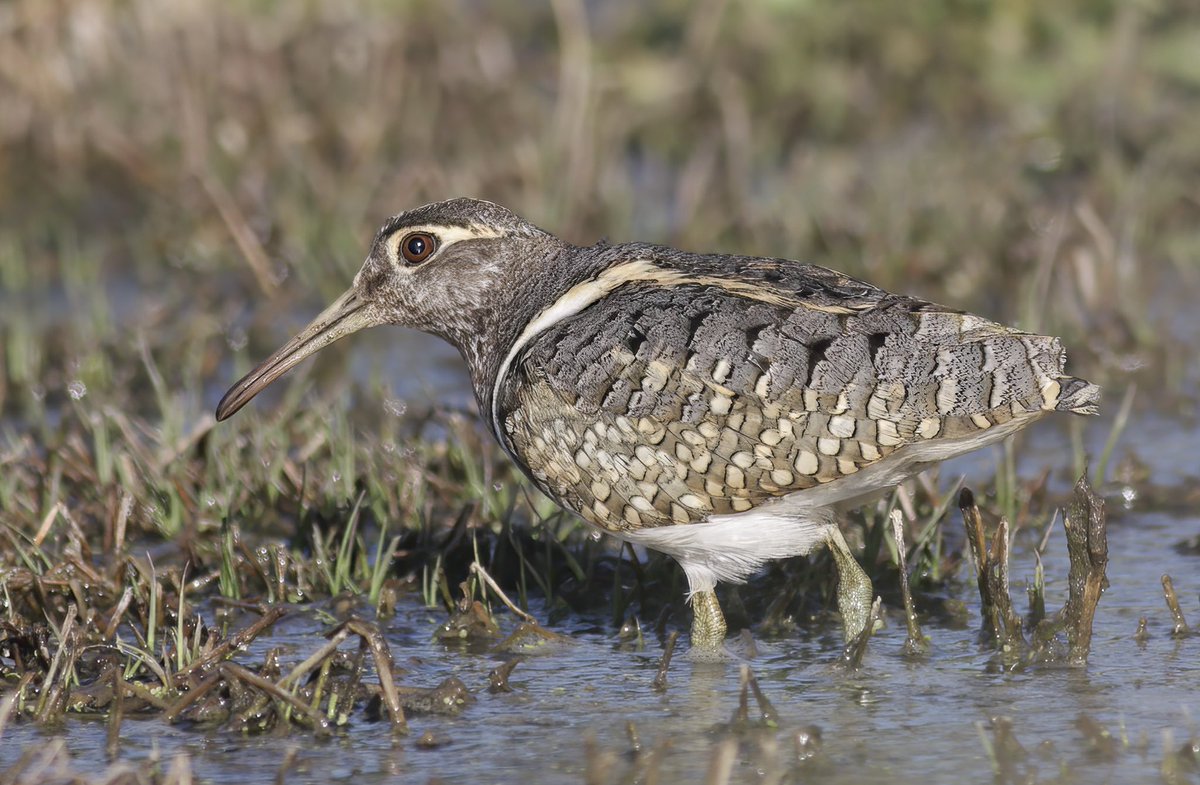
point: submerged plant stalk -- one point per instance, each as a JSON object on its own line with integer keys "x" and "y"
{"x": 1087, "y": 545}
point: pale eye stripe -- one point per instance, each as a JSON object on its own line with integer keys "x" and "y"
{"x": 446, "y": 236}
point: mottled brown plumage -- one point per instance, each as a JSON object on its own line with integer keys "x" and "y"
{"x": 664, "y": 406}
{"x": 715, "y": 407}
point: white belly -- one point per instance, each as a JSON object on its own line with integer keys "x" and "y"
{"x": 733, "y": 547}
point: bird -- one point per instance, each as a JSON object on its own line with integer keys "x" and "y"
{"x": 721, "y": 409}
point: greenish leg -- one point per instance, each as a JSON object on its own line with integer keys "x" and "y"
{"x": 708, "y": 623}
{"x": 854, "y": 590}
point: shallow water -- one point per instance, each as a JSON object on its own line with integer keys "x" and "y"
{"x": 895, "y": 720}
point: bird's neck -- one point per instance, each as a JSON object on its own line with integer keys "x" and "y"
{"x": 527, "y": 289}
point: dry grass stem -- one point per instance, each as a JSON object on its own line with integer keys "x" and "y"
{"x": 915, "y": 642}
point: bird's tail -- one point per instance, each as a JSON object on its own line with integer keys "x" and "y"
{"x": 1077, "y": 395}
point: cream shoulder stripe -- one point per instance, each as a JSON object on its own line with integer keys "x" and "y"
{"x": 584, "y": 294}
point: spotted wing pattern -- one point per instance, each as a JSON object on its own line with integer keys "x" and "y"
{"x": 666, "y": 404}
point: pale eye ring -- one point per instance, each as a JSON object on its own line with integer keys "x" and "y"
{"x": 417, "y": 247}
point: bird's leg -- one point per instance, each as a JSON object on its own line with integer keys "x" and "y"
{"x": 708, "y": 623}
{"x": 854, "y": 590}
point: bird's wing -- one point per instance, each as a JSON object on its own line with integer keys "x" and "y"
{"x": 684, "y": 392}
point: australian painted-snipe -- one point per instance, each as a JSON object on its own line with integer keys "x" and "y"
{"x": 717, "y": 408}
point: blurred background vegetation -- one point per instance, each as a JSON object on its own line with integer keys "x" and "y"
{"x": 183, "y": 182}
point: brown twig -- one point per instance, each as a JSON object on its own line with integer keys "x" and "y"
{"x": 231, "y": 670}
{"x": 915, "y": 642}
{"x": 112, "y": 746}
{"x": 660, "y": 678}
{"x": 1181, "y": 626}
{"x": 190, "y": 697}
{"x": 766, "y": 711}
{"x": 239, "y": 640}
{"x": 1087, "y": 546}
{"x": 1006, "y": 622}
{"x": 383, "y": 666}
{"x": 498, "y": 677}
{"x": 1001, "y": 625}
{"x": 973, "y": 523}
{"x": 140, "y": 692}
{"x": 317, "y": 657}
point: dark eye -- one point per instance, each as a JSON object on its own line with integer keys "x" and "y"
{"x": 417, "y": 246}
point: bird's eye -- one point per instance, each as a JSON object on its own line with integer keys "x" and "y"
{"x": 417, "y": 247}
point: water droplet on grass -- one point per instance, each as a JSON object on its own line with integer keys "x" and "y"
{"x": 76, "y": 389}
{"x": 395, "y": 406}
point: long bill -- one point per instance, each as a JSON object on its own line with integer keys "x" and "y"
{"x": 347, "y": 315}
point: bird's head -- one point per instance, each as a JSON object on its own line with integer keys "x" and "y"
{"x": 442, "y": 268}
